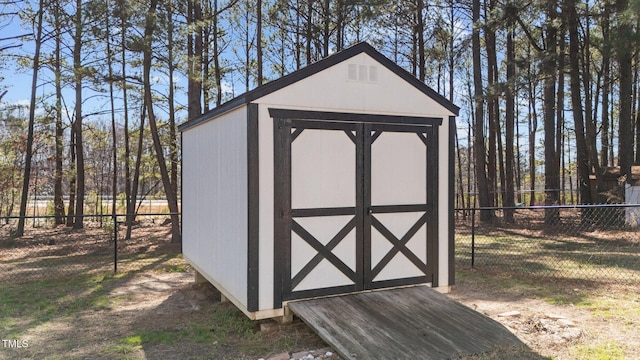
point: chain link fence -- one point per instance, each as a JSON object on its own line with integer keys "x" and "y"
{"x": 592, "y": 243}
{"x": 599, "y": 244}
{"x": 100, "y": 248}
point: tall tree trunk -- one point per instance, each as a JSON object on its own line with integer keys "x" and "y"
{"x": 452, "y": 49}
{"x": 72, "y": 180}
{"x": 114, "y": 138}
{"x": 340, "y": 24}
{"x": 492, "y": 108}
{"x": 206, "y": 39}
{"x": 551, "y": 165}
{"x": 259, "y": 40}
{"x": 32, "y": 116}
{"x": 509, "y": 198}
{"x": 194, "y": 58}
{"x": 420, "y": 37}
{"x": 560, "y": 112}
{"x": 172, "y": 201}
{"x": 478, "y": 140}
{"x": 131, "y": 217}
{"x": 326, "y": 29}
{"x": 518, "y": 159}
{"x": 247, "y": 54}
{"x": 78, "y": 222}
{"x": 582, "y": 156}
{"x": 625, "y": 58}
{"x": 58, "y": 201}
{"x": 130, "y": 206}
{"x": 217, "y": 71}
{"x": 298, "y": 45}
{"x": 606, "y": 84}
{"x": 589, "y": 119}
{"x": 309, "y": 30}
{"x": 173, "y": 141}
{"x": 533, "y": 129}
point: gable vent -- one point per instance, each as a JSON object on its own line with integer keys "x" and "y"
{"x": 364, "y": 73}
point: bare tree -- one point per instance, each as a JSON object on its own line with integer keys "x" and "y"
{"x": 509, "y": 198}
{"x": 625, "y": 59}
{"x": 32, "y": 114}
{"x": 172, "y": 200}
{"x": 78, "y": 222}
{"x": 478, "y": 129}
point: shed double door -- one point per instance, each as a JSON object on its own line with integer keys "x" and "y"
{"x": 354, "y": 206}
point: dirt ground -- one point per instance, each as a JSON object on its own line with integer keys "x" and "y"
{"x": 605, "y": 325}
{"x": 153, "y": 301}
{"x": 156, "y": 312}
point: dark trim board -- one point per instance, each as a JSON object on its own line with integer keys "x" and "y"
{"x": 253, "y": 205}
{"x": 399, "y": 282}
{"x": 323, "y": 212}
{"x": 316, "y": 68}
{"x": 181, "y": 200}
{"x": 452, "y": 240}
{"x": 432, "y": 192}
{"x": 353, "y": 117}
{"x": 306, "y": 294}
{"x": 288, "y": 124}
{"x": 282, "y": 217}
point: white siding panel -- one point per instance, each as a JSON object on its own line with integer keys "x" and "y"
{"x": 215, "y": 200}
{"x": 333, "y": 90}
{"x": 266, "y": 251}
{"x": 323, "y": 170}
{"x": 323, "y": 276}
{"x": 398, "y": 170}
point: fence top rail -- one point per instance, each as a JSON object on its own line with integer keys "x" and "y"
{"x": 85, "y": 216}
{"x": 542, "y": 207}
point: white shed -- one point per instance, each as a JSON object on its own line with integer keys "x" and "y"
{"x": 336, "y": 178}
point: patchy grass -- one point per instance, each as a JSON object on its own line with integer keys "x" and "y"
{"x": 27, "y": 305}
{"x": 568, "y": 250}
{"x": 553, "y": 292}
{"x": 609, "y": 351}
{"x": 613, "y": 312}
{"x": 150, "y": 309}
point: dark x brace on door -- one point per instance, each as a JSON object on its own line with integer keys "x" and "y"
{"x": 356, "y": 207}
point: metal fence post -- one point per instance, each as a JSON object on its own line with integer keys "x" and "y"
{"x": 473, "y": 237}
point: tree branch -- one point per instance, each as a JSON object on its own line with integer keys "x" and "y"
{"x": 15, "y": 37}
{"x": 9, "y": 47}
{"x": 529, "y": 35}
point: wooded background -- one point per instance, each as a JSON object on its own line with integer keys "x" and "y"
{"x": 548, "y": 89}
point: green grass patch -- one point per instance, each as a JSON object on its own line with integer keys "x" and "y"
{"x": 174, "y": 268}
{"x": 553, "y": 292}
{"x": 609, "y": 351}
{"x": 224, "y": 325}
{"x": 620, "y": 307}
{"x": 124, "y": 350}
{"x": 29, "y": 304}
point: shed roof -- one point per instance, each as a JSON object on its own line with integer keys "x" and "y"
{"x": 314, "y": 68}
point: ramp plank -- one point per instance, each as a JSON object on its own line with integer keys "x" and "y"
{"x": 407, "y": 323}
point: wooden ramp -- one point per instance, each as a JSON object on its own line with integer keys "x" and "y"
{"x": 406, "y": 323}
